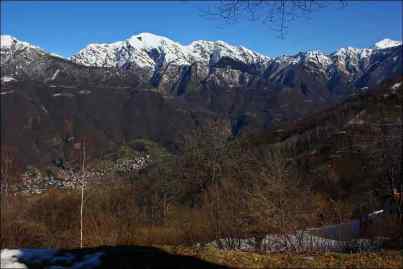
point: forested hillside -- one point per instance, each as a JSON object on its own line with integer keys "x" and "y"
{"x": 330, "y": 167}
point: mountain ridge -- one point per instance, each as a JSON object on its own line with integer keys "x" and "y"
{"x": 156, "y": 40}
{"x": 162, "y": 101}
{"x": 168, "y": 65}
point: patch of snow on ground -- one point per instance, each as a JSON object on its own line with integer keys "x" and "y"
{"x": 300, "y": 241}
{"x": 396, "y": 85}
{"x": 7, "y": 79}
{"x": 9, "y": 258}
{"x": 337, "y": 237}
{"x": 84, "y": 92}
{"x": 63, "y": 94}
{"x": 19, "y": 258}
{"x": 55, "y": 75}
{"x": 47, "y": 258}
{"x": 44, "y": 109}
{"x": 6, "y": 92}
{"x": 375, "y": 213}
{"x": 278, "y": 243}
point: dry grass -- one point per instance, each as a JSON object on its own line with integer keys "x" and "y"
{"x": 111, "y": 217}
{"x": 238, "y": 259}
{"x": 52, "y": 219}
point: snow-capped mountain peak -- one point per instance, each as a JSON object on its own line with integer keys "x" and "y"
{"x": 149, "y": 41}
{"x": 150, "y": 50}
{"x": 163, "y": 61}
{"x": 11, "y": 46}
{"x": 7, "y": 41}
{"x": 387, "y": 43}
{"x": 144, "y": 49}
{"x": 350, "y": 53}
{"x": 10, "y": 42}
{"x": 212, "y": 51}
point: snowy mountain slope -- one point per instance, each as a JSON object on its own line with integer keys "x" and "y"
{"x": 11, "y": 47}
{"x": 149, "y": 50}
{"x": 158, "y": 54}
{"x": 23, "y": 62}
{"x": 164, "y": 62}
{"x": 8, "y": 42}
{"x": 387, "y": 43}
{"x": 349, "y": 60}
{"x": 173, "y": 69}
{"x": 340, "y": 72}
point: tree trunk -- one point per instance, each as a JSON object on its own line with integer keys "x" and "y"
{"x": 82, "y": 196}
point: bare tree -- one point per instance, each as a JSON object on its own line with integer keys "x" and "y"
{"x": 276, "y": 14}
{"x": 7, "y": 164}
{"x": 202, "y": 163}
{"x": 84, "y": 156}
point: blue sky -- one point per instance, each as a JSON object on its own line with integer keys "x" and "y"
{"x": 66, "y": 27}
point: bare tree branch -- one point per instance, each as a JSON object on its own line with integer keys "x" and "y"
{"x": 276, "y": 14}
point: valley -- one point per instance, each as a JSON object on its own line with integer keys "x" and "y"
{"x": 148, "y": 152}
